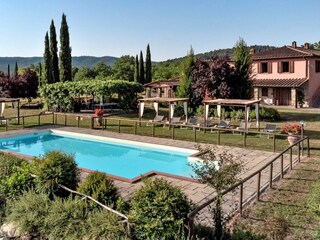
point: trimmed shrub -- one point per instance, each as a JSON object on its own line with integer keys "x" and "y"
{"x": 158, "y": 211}
{"x": 17, "y": 181}
{"x": 53, "y": 169}
{"x": 66, "y": 219}
{"x": 200, "y": 111}
{"x": 100, "y": 187}
{"x": 105, "y": 225}
{"x": 269, "y": 113}
{"x": 29, "y": 211}
{"x": 8, "y": 164}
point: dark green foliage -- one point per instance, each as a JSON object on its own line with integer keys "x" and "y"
{"x": 16, "y": 70}
{"x": 105, "y": 225}
{"x": 141, "y": 69}
{"x": 18, "y": 181}
{"x": 243, "y": 84}
{"x": 84, "y": 73}
{"x": 101, "y": 188}
{"x": 269, "y": 113}
{"x": 136, "y": 69}
{"x": 66, "y": 219}
{"x": 158, "y": 211}
{"x": 47, "y": 61}
{"x": 62, "y": 94}
{"x": 102, "y": 70}
{"x": 53, "y": 169}
{"x": 148, "y": 66}
{"x": 123, "y": 68}
{"x": 14, "y": 175}
{"x": 29, "y": 211}
{"x": 54, "y": 53}
{"x": 65, "y": 52}
{"x": 243, "y": 234}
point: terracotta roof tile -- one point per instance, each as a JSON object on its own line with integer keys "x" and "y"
{"x": 286, "y": 52}
{"x": 290, "y": 82}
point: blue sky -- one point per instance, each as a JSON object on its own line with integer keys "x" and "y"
{"x": 119, "y": 27}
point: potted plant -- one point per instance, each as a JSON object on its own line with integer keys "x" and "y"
{"x": 293, "y": 130}
{"x": 99, "y": 113}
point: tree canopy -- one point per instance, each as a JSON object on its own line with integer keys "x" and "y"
{"x": 123, "y": 68}
{"x": 65, "y": 52}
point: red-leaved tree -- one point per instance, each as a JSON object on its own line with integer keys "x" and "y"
{"x": 214, "y": 77}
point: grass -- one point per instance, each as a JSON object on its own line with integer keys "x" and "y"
{"x": 287, "y": 203}
{"x": 254, "y": 141}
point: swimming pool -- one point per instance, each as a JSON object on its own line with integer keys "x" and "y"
{"x": 126, "y": 159}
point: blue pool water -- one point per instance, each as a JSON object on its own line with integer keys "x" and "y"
{"x": 122, "y": 160}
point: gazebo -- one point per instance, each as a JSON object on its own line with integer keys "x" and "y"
{"x": 171, "y": 101}
{"x": 245, "y": 103}
{"x": 15, "y": 104}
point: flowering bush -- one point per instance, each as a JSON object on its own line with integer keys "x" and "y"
{"x": 294, "y": 128}
{"x": 98, "y": 112}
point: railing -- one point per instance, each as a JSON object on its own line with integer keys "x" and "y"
{"x": 259, "y": 187}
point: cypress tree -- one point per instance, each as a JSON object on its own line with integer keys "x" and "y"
{"x": 54, "y": 53}
{"x": 8, "y": 72}
{"x": 148, "y": 66}
{"x": 136, "y": 70}
{"x": 40, "y": 74}
{"x": 47, "y": 60}
{"x": 141, "y": 69}
{"x": 16, "y": 70}
{"x": 65, "y": 52}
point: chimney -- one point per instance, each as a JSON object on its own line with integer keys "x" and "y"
{"x": 306, "y": 45}
{"x": 252, "y": 51}
{"x": 294, "y": 44}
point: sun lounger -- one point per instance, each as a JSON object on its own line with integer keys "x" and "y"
{"x": 191, "y": 122}
{"x": 174, "y": 120}
{"x": 269, "y": 128}
{"x": 242, "y": 127}
{"x": 157, "y": 119}
{"x": 222, "y": 124}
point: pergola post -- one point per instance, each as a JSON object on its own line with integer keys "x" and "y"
{"x": 245, "y": 117}
{"x": 170, "y": 112}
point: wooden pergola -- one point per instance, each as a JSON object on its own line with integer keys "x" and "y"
{"x": 245, "y": 103}
{"x": 157, "y": 100}
{"x": 16, "y": 101}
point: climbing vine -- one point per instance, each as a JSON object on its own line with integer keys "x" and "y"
{"x": 62, "y": 94}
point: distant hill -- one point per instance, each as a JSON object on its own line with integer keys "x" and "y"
{"x": 82, "y": 61}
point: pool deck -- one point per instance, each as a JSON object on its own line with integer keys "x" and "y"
{"x": 197, "y": 192}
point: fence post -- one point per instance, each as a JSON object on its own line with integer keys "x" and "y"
{"x": 56, "y": 117}
{"x": 308, "y": 145}
{"x": 102, "y": 123}
{"x": 39, "y": 120}
{"x": 22, "y": 121}
{"x": 172, "y": 132}
{"x": 153, "y": 129}
{"x": 65, "y": 119}
{"x": 241, "y": 198}
{"x": 91, "y": 123}
{"x": 52, "y": 118}
{"x": 105, "y": 123}
{"x": 191, "y": 228}
{"x": 281, "y": 165}
{"x": 6, "y": 124}
{"x": 258, "y": 186}
{"x": 135, "y": 128}
{"x": 245, "y": 139}
{"x": 78, "y": 121}
{"x": 119, "y": 126}
{"x": 290, "y": 155}
{"x": 298, "y": 152}
{"x": 271, "y": 175}
{"x": 274, "y": 143}
{"x": 194, "y": 134}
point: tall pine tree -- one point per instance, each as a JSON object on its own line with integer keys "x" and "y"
{"x": 8, "y": 72}
{"x": 148, "y": 66}
{"x": 54, "y": 53}
{"x": 47, "y": 61}
{"x": 65, "y": 52}
{"x": 136, "y": 70}
{"x": 242, "y": 60}
{"x": 16, "y": 70}
{"x": 141, "y": 69}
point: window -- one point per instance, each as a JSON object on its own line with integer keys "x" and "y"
{"x": 317, "y": 66}
{"x": 285, "y": 67}
{"x": 264, "y": 67}
{"x": 264, "y": 92}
